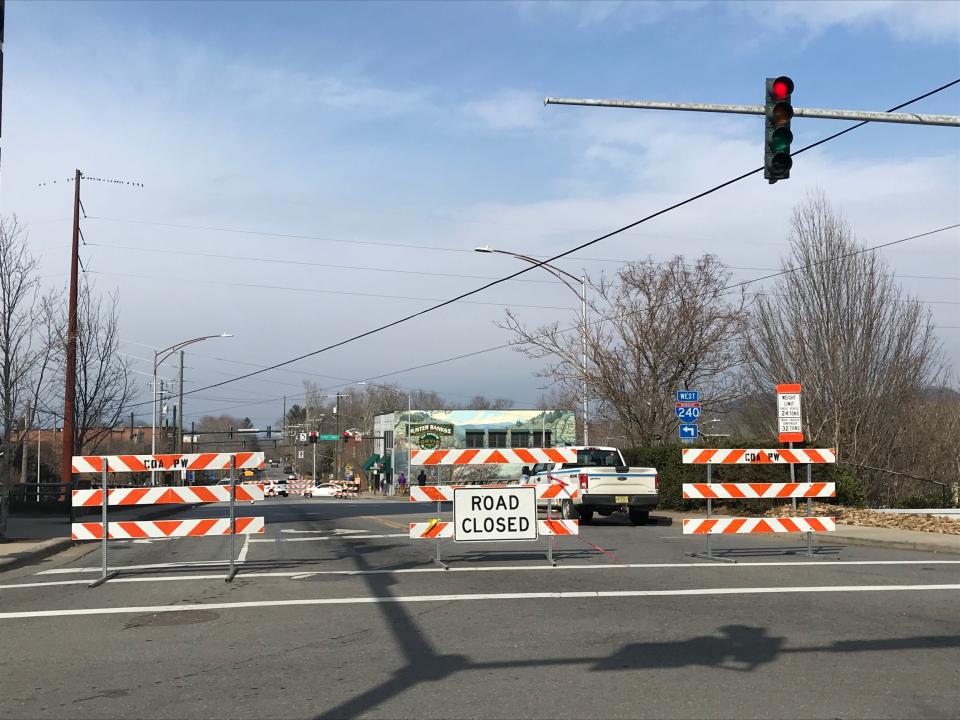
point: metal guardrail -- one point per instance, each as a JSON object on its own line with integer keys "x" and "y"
{"x": 945, "y": 488}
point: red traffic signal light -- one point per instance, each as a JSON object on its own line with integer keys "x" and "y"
{"x": 781, "y": 88}
{"x": 778, "y": 113}
{"x": 346, "y": 436}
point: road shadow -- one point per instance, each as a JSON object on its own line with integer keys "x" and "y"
{"x": 735, "y": 648}
{"x": 821, "y": 551}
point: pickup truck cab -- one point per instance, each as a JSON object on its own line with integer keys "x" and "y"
{"x": 604, "y": 485}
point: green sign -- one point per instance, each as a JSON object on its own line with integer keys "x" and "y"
{"x": 431, "y": 428}
{"x": 328, "y": 437}
{"x": 428, "y": 441}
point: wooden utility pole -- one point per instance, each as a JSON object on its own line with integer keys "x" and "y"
{"x": 70, "y": 376}
{"x": 179, "y": 441}
{"x": 27, "y": 422}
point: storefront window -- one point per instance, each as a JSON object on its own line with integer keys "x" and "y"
{"x": 474, "y": 439}
{"x": 519, "y": 439}
{"x": 497, "y": 439}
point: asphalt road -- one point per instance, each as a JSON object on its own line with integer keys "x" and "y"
{"x": 336, "y": 613}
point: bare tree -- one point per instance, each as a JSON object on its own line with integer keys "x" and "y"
{"x": 104, "y": 388}
{"x": 839, "y": 324}
{"x": 21, "y": 350}
{"x": 663, "y": 327}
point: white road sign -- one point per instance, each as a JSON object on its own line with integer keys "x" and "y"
{"x": 789, "y": 417}
{"x": 494, "y": 514}
{"x": 299, "y": 454}
{"x": 303, "y": 437}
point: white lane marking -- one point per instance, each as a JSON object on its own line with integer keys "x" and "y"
{"x": 242, "y": 557}
{"x": 574, "y": 595}
{"x": 483, "y": 568}
{"x": 336, "y": 531}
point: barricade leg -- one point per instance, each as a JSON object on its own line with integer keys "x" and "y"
{"x": 553, "y": 563}
{"x": 436, "y": 558}
{"x": 810, "y": 514}
{"x": 105, "y": 575}
{"x": 233, "y": 519}
{"x": 709, "y": 554}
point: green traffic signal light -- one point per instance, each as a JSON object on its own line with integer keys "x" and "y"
{"x": 780, "y": 140}
{"x": 777, "y": 134}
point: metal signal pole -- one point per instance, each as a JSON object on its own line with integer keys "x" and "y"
{"x": 70, "y": 375}
{"x": 823, "y": 113}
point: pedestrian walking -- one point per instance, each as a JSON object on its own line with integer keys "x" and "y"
{"x": 422, "y": 478}
{"x": 401, "y": 484}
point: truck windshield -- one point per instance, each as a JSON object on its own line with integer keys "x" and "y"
{"x": 598, "y": 458}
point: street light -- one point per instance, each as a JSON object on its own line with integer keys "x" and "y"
{"x": 158, "y": 357}
{"x": 562, "y": 276}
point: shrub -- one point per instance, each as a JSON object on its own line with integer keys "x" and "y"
{"x": 849, "y": 488}
{"x": 673, "y": 473}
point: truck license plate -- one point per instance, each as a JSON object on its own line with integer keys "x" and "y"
{"x": 621, "y": 499}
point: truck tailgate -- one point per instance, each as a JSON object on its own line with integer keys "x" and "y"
{"x": 638, "y": 481}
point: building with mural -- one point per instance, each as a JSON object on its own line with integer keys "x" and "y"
{"x": 394, "y": 433}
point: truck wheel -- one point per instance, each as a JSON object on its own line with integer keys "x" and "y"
{"x": 568, "y": 510}
{"x": 586, "y": 515}
{"x": 639, "y": 517}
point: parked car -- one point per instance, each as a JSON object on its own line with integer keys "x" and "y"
{"x": 324, "y": 490}
{"x": 288, "y": 469}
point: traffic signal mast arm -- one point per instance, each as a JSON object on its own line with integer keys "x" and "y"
{"x": 824, "y": 113}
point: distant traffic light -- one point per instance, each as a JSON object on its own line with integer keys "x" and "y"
{"x": 313, "y": 436}
{"x": 777, "y": 136}
{"x": 346, "y": 436}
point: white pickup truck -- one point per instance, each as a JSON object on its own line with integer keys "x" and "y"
{"x": 604, "y": 485}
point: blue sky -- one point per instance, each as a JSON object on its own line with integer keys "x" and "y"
{"x": 423, "y": 124}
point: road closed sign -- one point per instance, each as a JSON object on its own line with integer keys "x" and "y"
{"x": 494, "y": 514}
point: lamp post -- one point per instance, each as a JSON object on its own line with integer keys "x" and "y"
{"x": 158, "y": 357}
{"x": 562, "y": 276}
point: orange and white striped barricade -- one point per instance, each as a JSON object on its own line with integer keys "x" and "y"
{"x": 493, "y": 456}
{"x": 166, "y": 495}
{"x": 437, "y": 528}
{"x": 711, "y": 491}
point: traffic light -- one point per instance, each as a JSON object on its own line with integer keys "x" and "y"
{"x": 346, "y": 436}
{"x": 777, "y": 136}
{"x": 313, "y": 436}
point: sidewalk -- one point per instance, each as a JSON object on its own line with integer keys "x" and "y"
{"x": 869, "y": 536}
{"x": 34, "y": 537}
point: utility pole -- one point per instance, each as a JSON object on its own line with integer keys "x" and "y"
{"x": 285, "y": 441}
{"x": 27, "y": 422}
{"x": 336, "y": 472}
{"x": 179, "y": 440}
{"x": 70, "y": 375}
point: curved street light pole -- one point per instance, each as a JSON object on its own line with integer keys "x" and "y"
{"x": 562, "y": 276}
{"x": 158, "y": 357}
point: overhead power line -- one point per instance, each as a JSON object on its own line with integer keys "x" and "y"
{"x": 316, "y": 291}
{"x": 426, "y": 273}
{"x": 528, "y": 268}
{"x": 726, "y": 290}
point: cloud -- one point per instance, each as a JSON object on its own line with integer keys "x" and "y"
{"x": 508, "y": 109}
{"x": 621, "y": 14}
{"x": 938, "y": 21}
